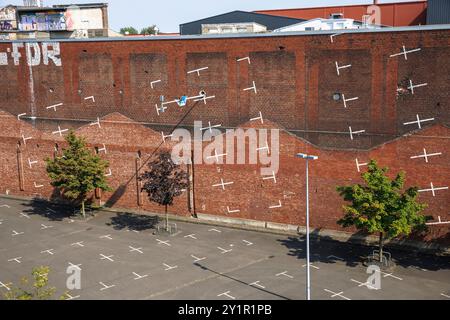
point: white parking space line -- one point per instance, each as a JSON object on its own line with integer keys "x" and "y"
{"x": 17, "y": 259}
{"x": 445, "y": 295}
{"x": 385, "y": 274}
{"x": 103, "y": 257}
{"x": 197, "y": 258}
{"x": 284, "y": 273}
{"x": 15, "y": 233}
{"x": 192, "y": 235}
{"x": 135, "y": 249}
{"x": 227, "y": 295}
{"x": 106, "y": 286}
{"x": 248, "y": 242}
{"x": 79, "y": 243}
{"x": 256, "y": 284}
{"x": 169, "y": 267}
{"x": 1, "y": 221}
{"x": 366, "y": 284}
{"x": 48, "y": 251}
{"x": 138, "y": 276}
{"x": 4, "y": 206}
{"x": 75, "y": 265}
{"x": 224, "y": 250}
{"x": 335, "y": 258}
{"x": 2, "y": 285}
{"x": 24, "y": 215}
{"x": 338, "y": 294}
{"x": 106, "y": 236}
{"x": 163, "y": 242}
{"x": 215, "y": 230}
{"x": 312, "y": 266}
{"x": 70, "y": 297}
{"x": 43, "y": 226}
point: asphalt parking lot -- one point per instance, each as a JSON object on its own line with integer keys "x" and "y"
{"x": 121, "y": 257}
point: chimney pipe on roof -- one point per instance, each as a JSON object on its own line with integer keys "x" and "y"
{"x": 375, "y": 2}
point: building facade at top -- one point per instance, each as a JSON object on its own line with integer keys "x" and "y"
{"x": 34, "y": 21}
{"x": 368, "y": 16}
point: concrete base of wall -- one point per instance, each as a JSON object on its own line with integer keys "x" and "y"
{"x": 284, "y": 229}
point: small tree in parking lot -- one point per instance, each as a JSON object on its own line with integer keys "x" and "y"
{"x": 164, "y": 181}
{"x": 78, "y": 171}
{"x": 380, "y": 206}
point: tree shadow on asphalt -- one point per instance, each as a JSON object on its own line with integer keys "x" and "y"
{"x": 52, "y": 211}
{"x": 324, "y": 249}
{"x": 133, "y": 222}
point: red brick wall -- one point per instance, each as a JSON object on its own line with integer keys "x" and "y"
{"x": 249, "y": 193}
{"x": 295, "y": 79}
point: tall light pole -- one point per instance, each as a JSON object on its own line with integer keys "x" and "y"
{"x": 308, "y": 277}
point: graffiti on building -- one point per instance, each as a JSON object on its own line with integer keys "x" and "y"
{"x": 43, "y": 22}
{"x": 7, "y": 13}
{"x": 34, "y": 54}
{"x": 6, "y": 25}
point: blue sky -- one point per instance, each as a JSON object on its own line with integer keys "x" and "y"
{"x": 168, "y": 14}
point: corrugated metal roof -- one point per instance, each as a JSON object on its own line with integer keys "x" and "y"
{"x": 438, "y": 12}
{"x": 248, "y": 35}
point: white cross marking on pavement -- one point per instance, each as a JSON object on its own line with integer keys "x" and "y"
{"x": 169, "y": 267}
{"x": 49, "y": 251}
{"x": 163, "y": 242}
{"x": 311, "y": 265}
{"x": 339, "y": 294}
{"x": 71, "y": 297}
{"x": 75, "y": 265}
{"x": 135, "y": 249}
{"x": 106, "y": 286}
{"x": 226, "y": 294}
{"x": 197, "y": 258}
{"x": 17, "y": 259}
{"x": 24, "y": 215}
{"x": 15, "y": 233}
{"x": 256, "y": 284}
{"x": 80, "y": 244}
{"x": 2, "y": 285}
{"x": 248, "y": 242}
{"x": 224, "y": 250}
{"x": 360, "y": 284}
{"x": 139, "y": 276}
{"x": 284, "y": 273}
{"x": 106, "y": 236}
{"x": 106, "y": 257}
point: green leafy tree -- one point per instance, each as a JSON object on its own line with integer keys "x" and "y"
{"x": 78, "y": 172}
{"x": 39, "y": 290}
{"x": 381, "y": 207}
{"x": 153, "y": 29}
{"x": 128, "y": 30}
{"x": 164, "y": 181}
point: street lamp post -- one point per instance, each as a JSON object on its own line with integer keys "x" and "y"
{"x": 308, "y": 278}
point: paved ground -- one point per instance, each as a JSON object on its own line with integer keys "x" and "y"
{"x": 121, "y": 258}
